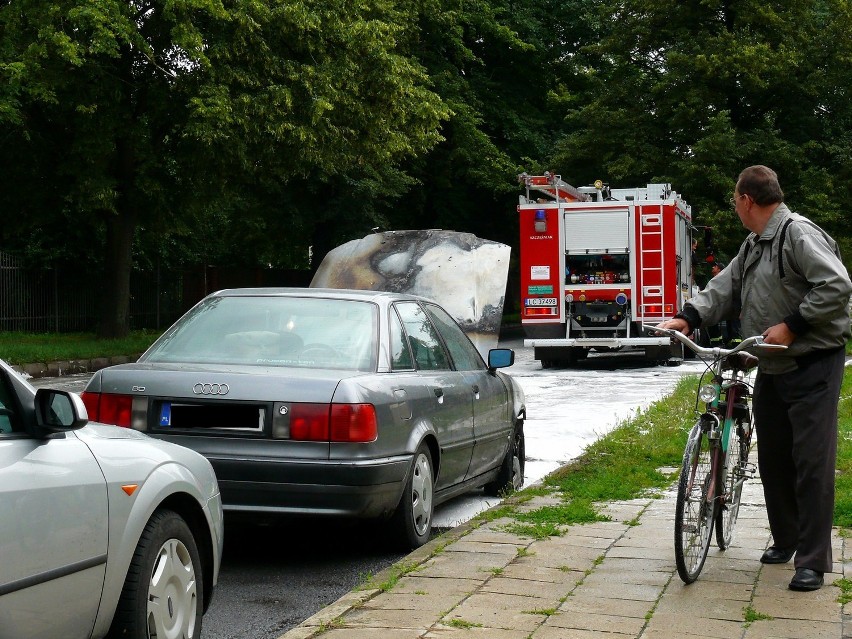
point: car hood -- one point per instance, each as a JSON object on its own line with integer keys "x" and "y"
{"x": 235, "y": 383}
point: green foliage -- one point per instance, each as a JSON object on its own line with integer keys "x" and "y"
{"x": 392, "y": 574}
{"x": 547, "y": 612}
{"x": 536, "y": 530}
{"x": 845, "y": 586}
{"x": 248, "y": 132}
{"x": 461, "y": 623}
{"x": 843, "y": 481}
{"x": 189, "y": 120}
{"x": 751, "y": 615}
{"x": 692, "y": 92}
{"x": 572, "y": 512}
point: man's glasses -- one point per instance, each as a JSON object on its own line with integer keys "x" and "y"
{"x": 733, "y": 200}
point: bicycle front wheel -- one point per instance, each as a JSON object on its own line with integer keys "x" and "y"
{"x": 736, "y": 464}
{"x": 695, "y": 512}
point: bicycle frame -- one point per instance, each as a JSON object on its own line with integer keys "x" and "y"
{"x": 717, "y": 422}
{"x": 730, "y": 397}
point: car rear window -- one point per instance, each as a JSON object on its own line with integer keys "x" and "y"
{"x": 304, "y": 332}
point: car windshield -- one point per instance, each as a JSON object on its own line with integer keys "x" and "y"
{"x": 305, "y": 332}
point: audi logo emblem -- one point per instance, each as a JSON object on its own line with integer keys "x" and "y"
{"x": 210, "y": 389}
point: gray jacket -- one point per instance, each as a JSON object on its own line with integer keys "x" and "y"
{"x": 812, "y": 297}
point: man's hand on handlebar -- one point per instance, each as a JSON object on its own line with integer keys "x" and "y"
{"x": 779, "y": 334}
{"x": 676, "y": 324}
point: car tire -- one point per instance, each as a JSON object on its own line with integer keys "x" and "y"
{"x": 412, "y": 521}
{"x": 163, "y": 590}
{"x": 510, "y": 477}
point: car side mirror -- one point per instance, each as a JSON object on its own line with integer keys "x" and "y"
{"x": 58, "y": 411}
{"x": 500, "y": 358}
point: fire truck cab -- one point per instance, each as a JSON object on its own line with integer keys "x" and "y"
{"x": 597, "y": 263}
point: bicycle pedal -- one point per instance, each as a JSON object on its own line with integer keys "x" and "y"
{"x": 748, "y": 471}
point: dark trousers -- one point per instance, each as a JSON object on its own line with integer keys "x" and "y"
{"x": 796, "y": 419}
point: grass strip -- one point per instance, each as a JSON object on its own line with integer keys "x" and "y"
{"x": 843, "y": 481}
{"x": 27, "y": 348}
{"x": 622, "y": 465}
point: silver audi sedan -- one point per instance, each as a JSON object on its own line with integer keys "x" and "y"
{"x": 326, "y": 402}
{"x": 103, "y": 531}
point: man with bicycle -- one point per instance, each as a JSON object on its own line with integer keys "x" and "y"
{"x": 788, "y": 284}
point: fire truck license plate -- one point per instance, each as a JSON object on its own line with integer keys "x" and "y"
{"x": 541, "y": 301}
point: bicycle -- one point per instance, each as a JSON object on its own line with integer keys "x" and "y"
{"x": 715, "y": 460}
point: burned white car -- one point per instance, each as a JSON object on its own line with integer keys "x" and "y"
{"x": 326, "y": 402}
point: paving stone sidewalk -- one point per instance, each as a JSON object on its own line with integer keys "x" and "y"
{"x": 615, "y": 580}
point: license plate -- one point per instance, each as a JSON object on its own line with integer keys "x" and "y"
{"x": 540, "y": 301}
{"x": 598, "y": 319}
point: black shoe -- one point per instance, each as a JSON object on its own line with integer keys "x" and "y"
{"x": 776, "y": 555}
{"x": 806, "y": 579}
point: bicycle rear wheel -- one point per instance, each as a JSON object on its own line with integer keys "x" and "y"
{"x": 736, "y": 464}
{"x": 694, "y": 513}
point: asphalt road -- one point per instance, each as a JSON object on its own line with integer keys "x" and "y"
{"x": 275, "y": 577}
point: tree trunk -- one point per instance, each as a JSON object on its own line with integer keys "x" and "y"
{"x": 120, "y": 228}
{"x": 321, "y": 244}
{"x": 121, "y": 223}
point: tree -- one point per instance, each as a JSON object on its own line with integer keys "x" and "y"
{"x": 496, "y": 64}
{"x": 171, "y": 114}
{"x": 692, "y": 92}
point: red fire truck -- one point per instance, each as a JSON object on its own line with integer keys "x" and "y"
{"x": 597, "y": 263}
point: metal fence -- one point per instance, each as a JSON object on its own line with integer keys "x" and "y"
{"x": 67, "y": 299}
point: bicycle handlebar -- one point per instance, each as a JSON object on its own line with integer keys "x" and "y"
{"x": 716, "y": 352}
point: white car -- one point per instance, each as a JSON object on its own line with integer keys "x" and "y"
{"x": 104, "y": 531}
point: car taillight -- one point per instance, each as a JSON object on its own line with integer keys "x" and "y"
{"x": 108, "y": 408}
{"x": 333, "y": 422}
{"x": 309, "y": 422}
{"x": 92, "y": 402}
{"x": 353, "y": 423}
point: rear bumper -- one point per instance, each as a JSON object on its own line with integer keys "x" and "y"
{"x": 363, "y": 488}
{"x": 602, "y": 342}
